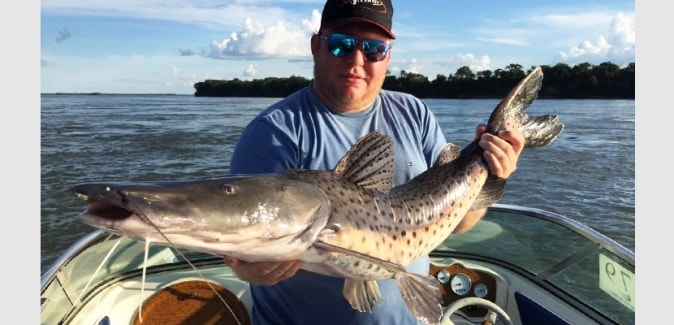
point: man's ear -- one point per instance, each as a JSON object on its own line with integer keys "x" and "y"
{"x": 315, "y": 44}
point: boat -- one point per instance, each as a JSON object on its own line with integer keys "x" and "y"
{"x": 518, "y": 265}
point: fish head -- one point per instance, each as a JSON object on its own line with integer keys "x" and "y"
{"x": 237, "y": 215}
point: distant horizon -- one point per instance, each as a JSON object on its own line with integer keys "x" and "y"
{"x": 94, "y": 93}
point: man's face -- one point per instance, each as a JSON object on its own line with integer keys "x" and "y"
{"x": 349, "y": 83}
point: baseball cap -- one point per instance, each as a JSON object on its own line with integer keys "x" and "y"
{"x": 340, "y": 12}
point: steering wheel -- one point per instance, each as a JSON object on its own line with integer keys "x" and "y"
{"x": 494, "y": 310}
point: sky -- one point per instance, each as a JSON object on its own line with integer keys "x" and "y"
{"x": 150, "y": 46}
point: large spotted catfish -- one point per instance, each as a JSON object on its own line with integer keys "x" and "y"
{"x": 349, "y": 222}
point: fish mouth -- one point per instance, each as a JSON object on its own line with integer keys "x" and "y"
{"x": 117, "y": 220}
{"x": 109, "y": 211}
{"x": 104, "y": 203}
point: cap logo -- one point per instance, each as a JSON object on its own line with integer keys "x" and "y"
{"x": 376, "y": 5}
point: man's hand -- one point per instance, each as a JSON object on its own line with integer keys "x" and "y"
{"x": 262, "y": 273}
{"x": 501, "y": 152}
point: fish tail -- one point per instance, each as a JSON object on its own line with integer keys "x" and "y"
{"x": 537, "y": 130}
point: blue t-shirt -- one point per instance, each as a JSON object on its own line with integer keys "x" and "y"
{"x": 299, "y": 132}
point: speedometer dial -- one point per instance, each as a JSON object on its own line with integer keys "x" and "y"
{"x": 480, "y": 290}
{"x": 443, "y": 276}
{"x": 460, "y": 284}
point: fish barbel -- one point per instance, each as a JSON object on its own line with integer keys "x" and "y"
{"x": 349, "y": 222}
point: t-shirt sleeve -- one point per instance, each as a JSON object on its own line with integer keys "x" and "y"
{"x": 432, "y": 135}
{"x": 263, "y": 148}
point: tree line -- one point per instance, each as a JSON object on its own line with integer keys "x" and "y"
{"x": 582, "y": 81}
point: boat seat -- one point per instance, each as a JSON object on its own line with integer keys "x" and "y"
{"x": 192, "y": 302}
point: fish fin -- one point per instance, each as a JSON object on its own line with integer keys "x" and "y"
{"x": 362, "y": 295}
{"x": 448, "y": 154}
{"x": 392, "y": 267}
{"x": 369, "y": 163}
{"x": 422, "y": 296}
{"x": 492, "y": 190}
{"x": 540, "y": 131}
{"x": 421, "y": 293}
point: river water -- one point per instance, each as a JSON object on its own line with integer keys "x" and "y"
{"x": 587, "y": 174}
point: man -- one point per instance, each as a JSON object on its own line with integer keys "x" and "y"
{"x": 314, "y": 127}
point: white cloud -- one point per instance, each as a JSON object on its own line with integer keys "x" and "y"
{"x": 258, "y": 40}
{"x": 410, "y": 66}
{"x": 618, "y": 48}
{"x": 249, "y": 72}
{"x": 475, "y": 63}
{"x": 444, "y": 67}
{"x": 622, "y": 37}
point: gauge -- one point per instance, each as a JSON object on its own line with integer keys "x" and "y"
{"x": 443, "y": 276}
{"x": 480, "y": 290}
{"x": 460, "y": 284}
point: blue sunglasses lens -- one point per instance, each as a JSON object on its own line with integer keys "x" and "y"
{"x": 342, "y": 45}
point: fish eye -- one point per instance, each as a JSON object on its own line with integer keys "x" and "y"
{"x": 228, "y": 189}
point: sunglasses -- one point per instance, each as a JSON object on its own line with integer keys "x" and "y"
{"x": 341, "y": 45}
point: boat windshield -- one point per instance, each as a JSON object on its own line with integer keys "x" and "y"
{"x": 102, "y": 258}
